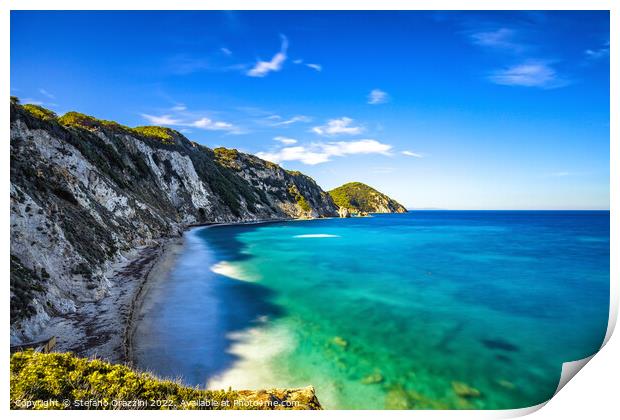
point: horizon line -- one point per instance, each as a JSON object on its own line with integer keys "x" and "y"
{"x": 444, "y": 209}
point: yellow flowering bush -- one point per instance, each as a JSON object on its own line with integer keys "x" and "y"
{"x": 63, "y": 381}
{"x": 40, "y": 112}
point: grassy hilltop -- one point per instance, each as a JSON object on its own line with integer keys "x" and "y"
{"x": 358, "y": 197}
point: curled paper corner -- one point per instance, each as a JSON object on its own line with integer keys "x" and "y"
{"x": 518, "y": 412}
{"x": 570, "y": 369}
{"x": 613, "y": 317}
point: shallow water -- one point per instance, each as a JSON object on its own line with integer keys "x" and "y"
{"x": 391, "y": 311}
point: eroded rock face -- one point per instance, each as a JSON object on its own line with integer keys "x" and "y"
{"x": 343, "y": 212}
{"x": 83, "y": 196}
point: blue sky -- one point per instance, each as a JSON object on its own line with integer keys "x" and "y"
{"x": 454, "y": 110}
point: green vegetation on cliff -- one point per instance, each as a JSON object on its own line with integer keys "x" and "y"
{"x": 24, "y": 284}
{"x": 241, "y": 182}
{"x": 63, "y": 381}
{"x": 40, "y": 112}
{"x": 78, "y": 120}
{"x": 359, "y": 197}
{"x": 299, "y": 198}
{"x": 212, "y": 166}
{"x": 165, "y": 135}
{"x": 227, "y": 157}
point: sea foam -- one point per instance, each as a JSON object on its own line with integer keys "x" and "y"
{"x": 257, "y": 350}
{"x": 225, "y": 268}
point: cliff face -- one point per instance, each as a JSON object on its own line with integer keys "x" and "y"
{"x": 83, "y": 191}
{"x": 357, "y": 197}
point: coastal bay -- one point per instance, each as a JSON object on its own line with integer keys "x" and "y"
{"x": 306, "y": 209}
{"x": 418, "y": 325}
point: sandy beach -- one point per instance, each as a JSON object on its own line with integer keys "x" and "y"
{"x": 93, "y": 330}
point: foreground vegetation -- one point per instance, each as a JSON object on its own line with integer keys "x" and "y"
{"x": 63, "y": 381}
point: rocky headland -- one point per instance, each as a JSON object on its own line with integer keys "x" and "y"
{"x": 360, "y": 199}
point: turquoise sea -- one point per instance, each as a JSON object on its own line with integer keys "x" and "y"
{"x": 430, "y": 309}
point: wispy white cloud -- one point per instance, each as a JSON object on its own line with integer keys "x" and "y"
{"x": 263, "y": 68}
{"x": 561, "y": 174}
{"x": 321, "y": 152}
{"x": 292, "y": 120}
{"x": 226, "y": 51}
{"x": 178, "y": 108}
{"x": 519, "y": 43}
{"x": 412, "y": 154}
{"x": 338, "y": 126}
{"x": 597, "y": 53}
{"x": 285, "y": 140}
{"x": 502, "y": 38}
{"x": 364, "y": 146}
{"x": 184, "y": 64}
{"x": 161, "y": 119}
{"x": 203, "y": 123}
{"x": 377, "y": 96}
{"x": 295, "y": 153}
{"x": 208, "y": 124}
{"x": 46, "y": 94}
{"x": 316, "y": 67}
{"x": 529, "y": 74}
{"x": 313, "y": 66}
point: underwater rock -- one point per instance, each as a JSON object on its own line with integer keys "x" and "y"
{"x": 397, "y": 399}
{"x": 463, "y": 390}
{"x": 503, "y": 358}
{"x": 340, "y": 342}
{"x": 375, "y": 378}
{"x": 506, "y": 384}
{"x": 499, "y": 344}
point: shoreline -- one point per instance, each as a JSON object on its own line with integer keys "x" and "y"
{"x": 105, "y": 328}
{"x": 98, "y": 329}
{"x": 159, "y": 272}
